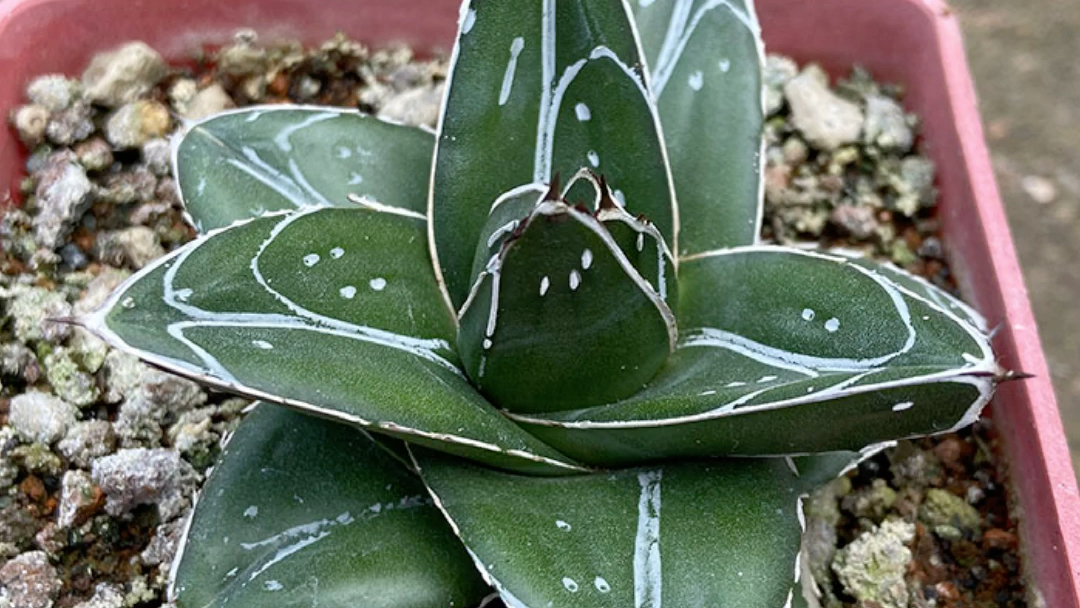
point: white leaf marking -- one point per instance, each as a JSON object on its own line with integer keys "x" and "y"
{"x": 263, "y": 344}
{"x": 832, "y": 325}
{"x": 562, "y": 525}
{"x": 348, "y": 292}
{"x": 808, "y": 314}
{"x": 311, "y": 259}
{"x": 508, "y": 77}
{"x": 470, "y": 21}
{"x": 337, "y": 252}
{"x": 899, "y": 407}
{"x": 575, "y": 280}
{"x": 570, "y": 584}
{"x": 647, "y": 574}
{"x": 377, "y": 284}
{"x": 582, "y": 112}
{"x": 545, "y": 283}
{"x": 594, "y": 158}
{"x": 696, "y": 80}
{"x": 586, "y": 259}
{"x": 601, "y": 585}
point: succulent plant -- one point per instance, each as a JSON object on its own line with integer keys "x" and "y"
{"x": 519, "y": 385}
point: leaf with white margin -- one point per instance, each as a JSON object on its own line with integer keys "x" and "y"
{"x": 244, "y": 163}
{"x": 705, "y": 59}
{"x": 332, "y": 311}
{"x": 692, "y": 535}
{"x": 786, "y": 351}
{"x": 302, "y": 511}
{"x": 560, "y": 317}
{"x": 539, "y": 87}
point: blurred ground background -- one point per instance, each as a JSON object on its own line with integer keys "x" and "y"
{"x": 1025, "y": 57}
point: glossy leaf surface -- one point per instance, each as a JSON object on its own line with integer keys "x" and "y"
{"x": 329, "y": 310}
{"x": 540, "y": 87}
{"x": 246, "y": 162}
{"x": 561, "y": 318}
{"x": 302, "y": 511}
{"x": 705, "y": 59}
{"x": 848, "y": 359}
{"x": 694, "y": 534}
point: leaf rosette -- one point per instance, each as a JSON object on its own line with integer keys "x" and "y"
{"x": 599, "y": 351}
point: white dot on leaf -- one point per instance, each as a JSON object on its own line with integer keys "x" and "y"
{"x": 545, "y": 283}
{"x": 570, "y": 584}
{"x": 263, "y": 344}
{"x": 348, "y": 292}
{"x": 575, "y": 280}
{"x": 696, "y": 80}
{"x": 378, "y": 283}
{"x": 832, "y": 325}
{"x": 586, "y": 259}
{"x": 582, "y": 111}
{"x": 311, "y": 259}
{"x": 337, "y": 252}
{"x": 808, "y": 314}
{"x": 899, "y": 407}
{"x": 601, "y": 585}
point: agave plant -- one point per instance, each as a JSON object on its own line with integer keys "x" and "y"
{"x": 519, "y": 385}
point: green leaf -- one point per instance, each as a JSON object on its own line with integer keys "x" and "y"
{"x": 787, "y": 351}
{"x": 244, "y": 163}
{"x": 560, "y": 318}
{"x": 706, "y": 61}
{"x": 306, "y": 512}
{"x": 540, "y": 87}
{"x": 696, "y": 534}
{"x": 333, "y": 311}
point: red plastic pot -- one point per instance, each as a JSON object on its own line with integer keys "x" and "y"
{"x": 914, "y": 42}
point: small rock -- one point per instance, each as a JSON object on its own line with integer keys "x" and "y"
{"x": 948, "y": 515}
{"x": 136, "y": 123}
{"x": 416, "y": 107}
{"x": 105, "y": 596}
{"x": 73, "y": 257}
{"x": 99, "y": 289}
{"x": 242, "y": 58}
{"x": 857, "y": 220}
{"x": 32, "y": 308}
{"x": 50, "y": 539}
{"x": 37, "y": 459}
{"x": 145, "y": 477}
{"x": 873, "y": 566}
{"x": 71, "y": 125}
{"x": 162, "y": 546}
{"x": 122, "y": 75}
{"x": 125, "y": 187}
{"x": 778, "y": 71}
{"x": 157, "y": 156}
{"x": 1000, "y": 540}
{"x": 54, "y": 91}
{"x": 88, "y": 349}
{"x": 122, "y": 375}
{"x": 135, "y": 247}
{"x": 68, "y": 379}
{"x": 795, "y": 151}
{"x": 63, "y": 194}
{"x": 31, "y": 581}
{"x": 914, "y": 185}
{"x": 181, "y": 93}
{"x": 887, "y": 126}
{"x": 41, "y": 417}
{"x": 19, "y": 361}
{"x": 79, "y": 499}
{"x": 825, "y": 120}
{"x": 872, "y": 502}
{"x": 95, "y": 154}
{"x": 192, "y": 434}
{"x": 30, "y": 122}
{"x": 207, "y": 102}
{"x": 1040, "y": 189}
{"x": 172, "y": 393}
{"x": 87, "y": 440}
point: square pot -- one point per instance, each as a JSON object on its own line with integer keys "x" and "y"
{"x": 913, "y": 42}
